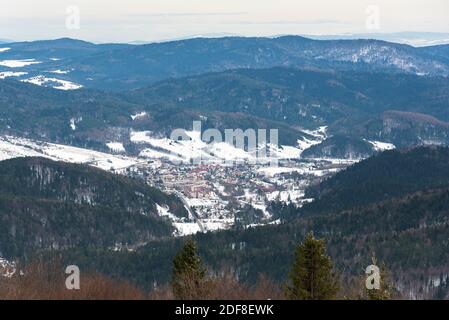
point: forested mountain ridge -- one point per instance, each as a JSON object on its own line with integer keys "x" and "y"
{"x": 403, "y": 110}
{"x": 123, "y": 66}
{"x": 56, "y": 113}
{"x": 51, "y": 205}
{"x": 397, "y": 173}
{"x": 294, "y": 95}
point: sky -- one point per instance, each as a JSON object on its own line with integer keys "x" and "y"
{"x": 155, "y": 20}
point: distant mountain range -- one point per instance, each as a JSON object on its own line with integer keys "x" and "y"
{"x": 417, "y": 39}
{"x": 413, "y": 38}
{"x": 68, "y": 64}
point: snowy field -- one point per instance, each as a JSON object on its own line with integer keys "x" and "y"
{"x": 13, "y": 147}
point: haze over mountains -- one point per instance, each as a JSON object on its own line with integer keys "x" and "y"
{"x": 417, "y": 39}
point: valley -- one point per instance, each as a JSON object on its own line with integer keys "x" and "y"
{"x": 93, "y": 168}
{"x": 213, "y": 192}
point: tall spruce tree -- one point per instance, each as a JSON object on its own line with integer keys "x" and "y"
{"x": 312, "y": 276}
{"x": 189, "y": 275}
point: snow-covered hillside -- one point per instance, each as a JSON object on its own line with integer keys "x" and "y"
{"x": 13, "y": 147}
{"x": 384, "y": 55}
{"x": 187, "y": 151}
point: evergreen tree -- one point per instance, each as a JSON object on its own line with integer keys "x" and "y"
{"x": 189, "y": 275}
{"x": 312, "y": 276}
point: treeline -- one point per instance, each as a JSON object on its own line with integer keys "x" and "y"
{"x": 312, "y": 277}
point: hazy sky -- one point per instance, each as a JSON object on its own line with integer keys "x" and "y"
{"x": 149, "y": 20}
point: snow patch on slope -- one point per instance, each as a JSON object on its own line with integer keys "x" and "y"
{"x": 165, "y": 212}
{"x": 7, "y": 74}
{"x": 14, "y": 147}
{"x": 54, "y": 83}
{"x": 382, "y": 146}
{"x": 186, "y": 228}
{"x": 116, "y": 147}
{"x": 59, "y": 71}
{"x": 182, "y": 228}
{"x": 73, "y": 122}
{"x": 138, "y": 115}
{"x": 195, "y": 148}
{"x": 319, "y": 135}
{"x": 18, "y": 63}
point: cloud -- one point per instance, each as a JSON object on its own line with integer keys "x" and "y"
{"x": 297, "y": 22}
{"x": 185, "y": 14}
